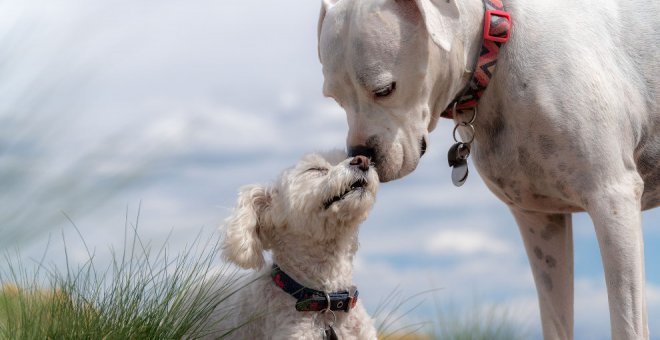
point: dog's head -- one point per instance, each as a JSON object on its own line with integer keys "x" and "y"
{"x": 393, "y": 65}
{"x": 322, "y": 196}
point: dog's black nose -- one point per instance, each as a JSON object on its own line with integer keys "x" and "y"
{"x": 360, "y": 162}
{"x": 361, "y": 150}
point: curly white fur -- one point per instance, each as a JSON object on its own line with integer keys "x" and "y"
{"x": 312, "y": 238}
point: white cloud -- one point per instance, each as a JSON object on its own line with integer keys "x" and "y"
{"x": 465, "y": 242}
{"x": 653, "y": 305}
{"x": 653, "y": 296}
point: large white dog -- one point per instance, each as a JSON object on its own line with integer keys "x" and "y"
{"x": 570, "y": 121}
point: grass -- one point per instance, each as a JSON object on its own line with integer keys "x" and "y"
{"x": 142, "y": 294}
{"x": 391, "y": 313}
{"x": 145, "y": 293}
{"x": 478, "y": 322}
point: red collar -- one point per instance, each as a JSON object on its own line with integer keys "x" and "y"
{"x": 497, "y": 27}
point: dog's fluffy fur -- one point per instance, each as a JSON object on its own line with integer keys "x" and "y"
{"x": 312, "y": 238}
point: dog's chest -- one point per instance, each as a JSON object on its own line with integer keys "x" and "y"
{"x": 549, "y": 165}
{"x": 528, "y": 168}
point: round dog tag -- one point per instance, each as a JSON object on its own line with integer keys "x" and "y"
{"x": 459, "y": 173}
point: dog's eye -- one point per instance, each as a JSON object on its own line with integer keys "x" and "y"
{"x": 321, "y": 170}
{"x": 386, "y": 90}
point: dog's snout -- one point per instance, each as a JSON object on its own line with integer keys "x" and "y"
{"x": 361, "y": 162}
{"x": 361, "y": 150}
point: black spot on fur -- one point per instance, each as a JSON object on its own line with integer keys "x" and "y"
{"x": 530, "y": 167}
{"x": 557, "y": 219}
{"x": 550, "y": 261}
{"x": 585, "y": 181}
{"x": 547, "y": 146}
{"x": 550, "y": 231}
{"x": 523, "y": 156}
{"x": 508, "y": 188}
{"x": 491, "y": 130}
{"x": 538, "y": 253}
{"x": 546, "y": 280}
{"x": 539, "y": 197}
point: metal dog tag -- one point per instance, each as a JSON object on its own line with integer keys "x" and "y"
{"x": 458, "y": 153}
{"x": 330, "y": 334}
{"x": 457, "y": 159}
{"x": 459, "y": 173}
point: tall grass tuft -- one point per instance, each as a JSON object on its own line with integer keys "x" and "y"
{"x": 142, "y": 294}
{"x": 394, "y": 320}
{"x": 392, "y": 317}
{"x": 478, "y": 322}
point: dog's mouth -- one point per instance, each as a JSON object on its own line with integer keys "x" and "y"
{"x": 358, "y": 185}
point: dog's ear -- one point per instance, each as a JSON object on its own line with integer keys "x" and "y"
{"x": 325, "y": 5}
{"x": 245, "y": 229}
{"x": 441, "y": 18}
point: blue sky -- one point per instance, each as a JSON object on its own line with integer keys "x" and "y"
{"x": 175, "y": 104}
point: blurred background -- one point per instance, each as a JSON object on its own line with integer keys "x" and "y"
{"x": 170, "y": 106}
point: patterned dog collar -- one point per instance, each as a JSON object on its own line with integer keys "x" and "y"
{"x": 312, "y": 300}
{"x": 497, "y": 27}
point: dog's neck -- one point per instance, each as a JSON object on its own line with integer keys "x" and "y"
{"x": 325, "y": 265}
{"x": 462, "y": 57}
{"x": 472, "y": 19}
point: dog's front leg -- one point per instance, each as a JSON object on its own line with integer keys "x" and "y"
{"x": 615, "y": 211}
{"x": 548, "y": 240}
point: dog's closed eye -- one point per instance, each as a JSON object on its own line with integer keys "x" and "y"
{"x": 385, "y": 90}
{"x": 320, "y": 170}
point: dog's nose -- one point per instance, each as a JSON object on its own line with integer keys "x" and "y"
{"x": 361, "y": 150}
{"x": 360, "y": 162}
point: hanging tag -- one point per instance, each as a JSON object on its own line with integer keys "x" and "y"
{"x": 459, "y": 173}
{"x": 330, "y": 333}
{"x": 457, "y": 159}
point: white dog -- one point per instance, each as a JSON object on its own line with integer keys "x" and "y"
{"x": 570, "y": 121}
{"x": 309, "y": 219}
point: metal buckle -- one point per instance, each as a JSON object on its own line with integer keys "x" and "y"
{"x": 327, "y": 299}
{"x": 352, "y": 299}
{"x": 487, "y": 21}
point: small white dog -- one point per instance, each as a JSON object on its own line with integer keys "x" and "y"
{"x": 309, "y": 220}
